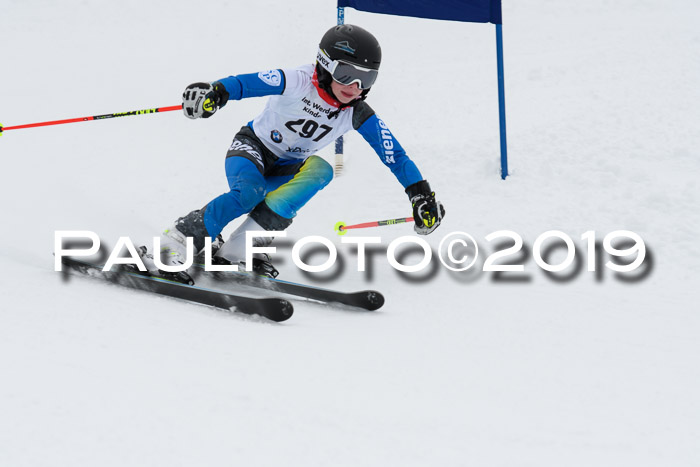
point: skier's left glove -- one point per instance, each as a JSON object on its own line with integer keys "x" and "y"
{"x": 427, "y": 211}
{"x": 202, "y": 100}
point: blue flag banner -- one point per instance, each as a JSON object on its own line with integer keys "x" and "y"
{"x": 472, "y": 11}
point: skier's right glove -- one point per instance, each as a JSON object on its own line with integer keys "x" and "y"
{"x": 427, "y": 211}
{"x": 202, "y": 100}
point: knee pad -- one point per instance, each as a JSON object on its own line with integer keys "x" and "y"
{"x": 269, "y": 219}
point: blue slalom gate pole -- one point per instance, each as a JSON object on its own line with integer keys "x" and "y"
{"x": 501, "y": 101}
{"x": 339, "y": 142}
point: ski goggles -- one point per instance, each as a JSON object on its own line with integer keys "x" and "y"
{"x": 347, "y": 73}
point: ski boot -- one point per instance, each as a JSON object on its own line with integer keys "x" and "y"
{"x": 262, "y": 265}
{"x": 230, "y": 252}
{"x": 173, "y": 252}
{"x": 153, "y": 271}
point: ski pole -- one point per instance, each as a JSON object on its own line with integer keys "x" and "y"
{"x": 342, "y": 229}
{"x": 95, "y": 117}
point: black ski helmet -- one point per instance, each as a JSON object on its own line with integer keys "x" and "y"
{"x": 349, "y": 44}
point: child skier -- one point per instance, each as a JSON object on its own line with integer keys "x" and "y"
{"x": 271, "y": 167}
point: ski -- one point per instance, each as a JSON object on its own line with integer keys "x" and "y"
{"x": 370, "y": 300}
{"x": 274, "y": 309}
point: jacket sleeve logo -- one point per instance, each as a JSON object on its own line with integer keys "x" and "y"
{"x": 271, "y": 77}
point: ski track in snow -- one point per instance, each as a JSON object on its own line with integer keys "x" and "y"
{"x": 602, "y": 105}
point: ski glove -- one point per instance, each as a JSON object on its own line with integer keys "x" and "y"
{"x": 427, "y": 211}
{"x": 202, "y": 100}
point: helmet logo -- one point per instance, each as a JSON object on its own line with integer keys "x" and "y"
{"x": 323, "y": 59}
{"x": 344, "y": 46}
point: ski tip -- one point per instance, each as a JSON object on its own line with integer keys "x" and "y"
{"x": 1, "y": 129}
{"x": 375, "y": 300}
{"x": 278, "y": 310}
{"x": 369, "y": 300}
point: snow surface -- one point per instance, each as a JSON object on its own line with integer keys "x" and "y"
{"x": 456, "y": 369}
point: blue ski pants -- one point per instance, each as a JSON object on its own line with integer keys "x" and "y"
{"x": 286, "y": 188}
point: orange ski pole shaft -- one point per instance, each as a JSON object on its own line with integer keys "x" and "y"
{"x": 342, "y": 229}
{"x": 94, "y": 117}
